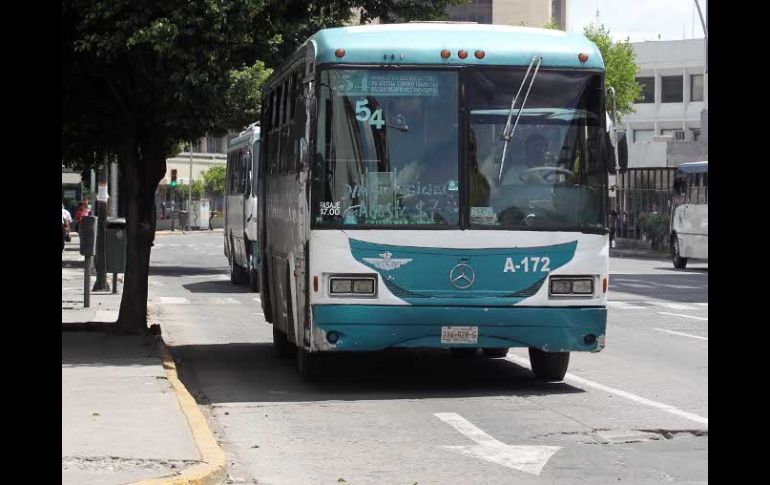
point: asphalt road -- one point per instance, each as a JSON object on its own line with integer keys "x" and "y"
{"x": 637, "y": 411}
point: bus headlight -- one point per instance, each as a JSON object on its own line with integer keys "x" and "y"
{"x": 572, "y": 286}
{"x": 344, "y": 285}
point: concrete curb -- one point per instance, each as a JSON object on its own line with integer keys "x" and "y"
{"x": 213, "y": 469}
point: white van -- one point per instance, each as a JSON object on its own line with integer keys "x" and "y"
{"x": 690, "y": 214}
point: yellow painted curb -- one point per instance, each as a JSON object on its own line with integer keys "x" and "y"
{"x": 213, "y": 470}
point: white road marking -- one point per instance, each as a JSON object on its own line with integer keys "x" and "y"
{"x": 633, "y": 397}
{"x": 624, "y": 306}
{"x": 222, "y": 301}
{"x": 681, "y": 333}
{"x": 685, "y": 316}
{"x": 528, "y": 459}
{"x": 173, "y": 300}
{"x": 702, "y": 304}
{"x": 673, "y": 306}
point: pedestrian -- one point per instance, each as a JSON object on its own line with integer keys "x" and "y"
{"x": 66, "y": 218}
{"x": 613, "y": 225}
{"x": 83, "y": 210}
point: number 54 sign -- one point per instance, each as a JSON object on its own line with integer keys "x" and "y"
{"x": 363, "y": 113}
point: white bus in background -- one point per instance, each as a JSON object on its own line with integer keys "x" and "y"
{"x": 241, "y": 191}
{"x": 690, "y": 216}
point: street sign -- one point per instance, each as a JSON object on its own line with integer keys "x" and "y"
{"x": 102, "y": 195}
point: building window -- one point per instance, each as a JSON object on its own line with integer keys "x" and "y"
{"x": 671, "y": 89}
{"x": 696, "y": 134}
{"x": 675, "y": 134}
{"x": 643, "y": 136}
{"x": 647, "y": 95}
{"x": 213, "y": 144}
{"x": 696, "y": 87}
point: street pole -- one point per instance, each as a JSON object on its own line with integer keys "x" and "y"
{"x": 114, "y": 189}
{"x": 101, "y": 231}
{"x": 189, "y": 192}
{"x": 704, "y": 24}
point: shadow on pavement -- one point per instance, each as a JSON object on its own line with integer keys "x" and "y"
{"x": 251, "y": 372}
{"x": 216, "y": 286}
{"x": 159, "y": 270}
{"x": 94, "y": 344}
{"x": 683, "y": 287}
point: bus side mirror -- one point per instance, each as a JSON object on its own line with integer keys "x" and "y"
{"x": 622, "y": 151}
{"x": 622, "y": 160}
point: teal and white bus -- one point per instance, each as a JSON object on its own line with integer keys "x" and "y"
{"x": 241, "y": 189}
{"x": 437, "y": 185}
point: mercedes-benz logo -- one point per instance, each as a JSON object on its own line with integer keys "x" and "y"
{"x": 462, "y": 276}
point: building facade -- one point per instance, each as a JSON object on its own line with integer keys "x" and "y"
{"x": 528, "y": 13}
{"x": 669, "y": 125}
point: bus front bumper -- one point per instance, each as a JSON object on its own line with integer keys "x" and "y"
{"x": 377, "y": 327}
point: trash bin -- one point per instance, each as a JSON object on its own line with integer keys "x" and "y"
{"x": 87, "y": 235}
{"x": 116, "y": 245}
{"x": 183, "y": 219}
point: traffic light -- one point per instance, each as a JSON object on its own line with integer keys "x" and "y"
{"x": 173, "y": 177}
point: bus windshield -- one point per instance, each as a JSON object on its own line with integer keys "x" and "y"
{"x": 387, "y": 148}
{"x": 553, "y": 176}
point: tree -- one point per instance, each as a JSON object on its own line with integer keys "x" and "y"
{"x": 214, "y": 181}
{"x": 619, "y": 63}
{"x": 620, "y": 67}
{"x": 197, "y": 190}
{"x": 142, "y": 76}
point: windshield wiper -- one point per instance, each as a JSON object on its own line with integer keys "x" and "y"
{"x": 508, "y": 130}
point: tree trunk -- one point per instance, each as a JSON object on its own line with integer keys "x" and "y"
{"x": 142, "y": 166}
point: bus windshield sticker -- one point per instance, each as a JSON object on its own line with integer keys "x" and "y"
{"x": 387, "y": 83}
{"x": 483, "y": 215}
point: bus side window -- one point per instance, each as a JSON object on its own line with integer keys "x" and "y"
{"x": 228, "y": 171}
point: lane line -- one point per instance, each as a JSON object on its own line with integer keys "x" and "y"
{"x": 672, "y": 306}
{"x": 173, "y": 300}
{"x": 681, "y": 333}
{"x": 632, "y": 397}
{"x": 685, "y": 316}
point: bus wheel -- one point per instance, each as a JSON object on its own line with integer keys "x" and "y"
{"x": 253, "y": 276}
{"x": 238, "y": 275}
{"x": 309, "y": 364}
{"x": 679, "y": 262}
{"x": 281, "y": 343}
{"x": 495, "y": 352}
{"x": 463, "y": 353}
{"x": 551, "y": 366}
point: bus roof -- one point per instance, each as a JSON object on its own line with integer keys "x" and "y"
{"x": 245, "y": 137}
{"x": 694, "y": 167}
{"x": 422, "y": 43}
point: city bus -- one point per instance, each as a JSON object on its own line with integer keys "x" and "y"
{"x": 690, "y": 214}
{"x": 437, "y": 185}
{"x": 241, "y": 189}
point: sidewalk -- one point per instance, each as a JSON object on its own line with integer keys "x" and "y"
{"x": 121, "y": 417}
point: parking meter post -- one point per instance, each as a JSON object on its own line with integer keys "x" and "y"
{"x": 101, "y": 232}
{"x": 87, "y": 283}
{"x": 87, "y": 230}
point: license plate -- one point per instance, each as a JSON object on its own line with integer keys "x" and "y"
{"x": 459, "y": 335}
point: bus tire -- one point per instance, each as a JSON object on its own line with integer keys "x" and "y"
{"x": 281, "y": 343}
{"x": 679, "y": 262}
{"x": 495, "y": 352}
{"x": 550, "y": 366}
{"x": 309, "y": 364}
{"x": 463, "y": 353}
{"x": 238, "y": 275}
{"x": 253, "y": 274}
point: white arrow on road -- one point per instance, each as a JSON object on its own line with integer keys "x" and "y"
{"x": 528, "y": 459}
